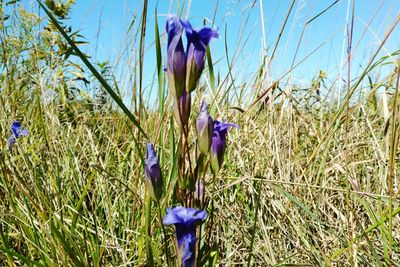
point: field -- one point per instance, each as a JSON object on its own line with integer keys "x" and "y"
{"x": 308, "y": 179}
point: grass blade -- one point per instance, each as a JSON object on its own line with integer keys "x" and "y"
{"x": 89, "y": 65}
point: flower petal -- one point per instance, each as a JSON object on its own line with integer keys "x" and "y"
{"x": 23, "y": 132}
{"x": 218, "y": 143}
{"x": 173, "y": 27}
{"x": 188, "y": 250}
{"x": 15, "y": 128}
{"x": 171, "y": 216}
{"x": 197, "y": 42}
{"x": 154, "y": 181}
{"x": 206, "y": 34}
{"x": 176, "y": 57}
{"x": 184, "y": 216}
{"x": 187, "y": 26}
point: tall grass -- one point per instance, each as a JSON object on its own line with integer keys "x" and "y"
{"x": 306, "y": 183}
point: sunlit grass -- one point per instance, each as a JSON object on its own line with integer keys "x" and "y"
{"x": 306, "y": 180}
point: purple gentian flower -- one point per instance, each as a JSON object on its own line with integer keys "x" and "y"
{"x": 218, "y": 144}
{"x": 176, "y": 58}
{"x": 17, "y": 132}
{"x": 154, "y": 180}
{"x": 204, "y": 129}
{"x": 185, "y": 221}
{"x": 182, "y": 109}
{"x": 197, "y": 43}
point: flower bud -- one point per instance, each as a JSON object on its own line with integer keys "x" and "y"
{"x": 204, "y": 129}
{"x": 154, "y": 180}
{"x": 176, "y": 58}
{"x": 218, "y": 144}
{"x": 198, "y": 41}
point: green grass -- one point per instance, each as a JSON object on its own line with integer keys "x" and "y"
{"x": 304, "y": 183}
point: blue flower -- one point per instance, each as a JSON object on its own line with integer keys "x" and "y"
{"x": 17, "y": 132}
{"x": 154, "y": 180}
{"x": 204, "y": 129}
{"x": 218, "y": 144}
{"x": 176, "y": 58}
{"x": 185, "y": 221}
{"x": 184, "y": 68}
{"x": 197, "y": 42}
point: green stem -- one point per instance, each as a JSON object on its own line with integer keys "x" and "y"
{"x": 212, "y": 209}
{"x": 393, "y": 150}
{"x": 150, "y": 260}
{"x": 164, "y": 233}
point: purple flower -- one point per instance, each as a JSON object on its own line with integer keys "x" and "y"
{"x": 204, "y": 129}
{"x": 218, "y": 144}
{"x": 198, "y": 41}
{"x": 176, "y": 58}
{"x": 154, "y": 180}
{"x": 184, "y": 69}
{"x": 185, "y": 221}
{"x": 182, "y": 109}
{"x": 17, "y": 132}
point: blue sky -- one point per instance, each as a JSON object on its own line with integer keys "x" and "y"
{"x": 104, "y": 23}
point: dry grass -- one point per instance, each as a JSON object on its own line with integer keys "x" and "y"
{"x": 304, "y": 183}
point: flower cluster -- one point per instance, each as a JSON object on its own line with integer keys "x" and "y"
{"x": 184, "y": 69}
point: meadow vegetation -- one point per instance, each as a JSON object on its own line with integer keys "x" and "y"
{"x": 306, "y": 181}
